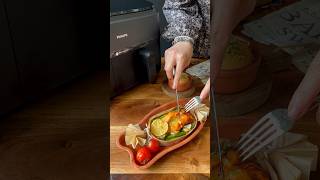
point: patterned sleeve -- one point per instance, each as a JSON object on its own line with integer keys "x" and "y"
{"x": 183, "y": 17}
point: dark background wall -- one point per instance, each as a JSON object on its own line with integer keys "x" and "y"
{"x": 10, "y": 89}
{"x": 158, "y": 5}
{"x": 47, "y": 43}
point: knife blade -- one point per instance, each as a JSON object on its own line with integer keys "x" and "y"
{"x": 177, "y": 95}
{"x": 216, "y": 135}
{"x": 177, "y": 99}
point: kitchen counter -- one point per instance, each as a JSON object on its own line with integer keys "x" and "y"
{"x": 131, "y": 107}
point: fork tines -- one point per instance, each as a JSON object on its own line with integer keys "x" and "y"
{"x": 195, "y": 101}
{"x": 261, "y": 134}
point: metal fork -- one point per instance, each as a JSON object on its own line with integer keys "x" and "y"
{"x": 194, "y": 102}
{"x": 267, "y": 129}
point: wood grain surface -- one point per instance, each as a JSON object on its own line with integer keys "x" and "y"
{"x": 193, "y": 157}
{"x": 131, "y": 107}
{"x": 159, "y": 176}
{"x": 59, "y": 137}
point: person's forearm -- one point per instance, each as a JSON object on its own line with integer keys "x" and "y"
{"x": 307, "y": 91}
{"x": 226, "y": 16}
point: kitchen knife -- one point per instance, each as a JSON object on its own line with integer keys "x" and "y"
{"x": 177, "y": 96}
{"x": 216, "y": 137}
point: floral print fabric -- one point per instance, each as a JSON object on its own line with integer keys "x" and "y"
{"x": 189, "y": 18}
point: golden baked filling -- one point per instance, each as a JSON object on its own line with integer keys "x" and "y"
{"x": 237, "y": 55}
{"x": 172, "y": 125}
{"x": 234, "y": 169}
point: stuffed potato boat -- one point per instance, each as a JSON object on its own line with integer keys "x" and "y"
{"x": 171, "y": 126}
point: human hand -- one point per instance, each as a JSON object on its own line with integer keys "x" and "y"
{"x": 306, "y": 93}
{"x": 178, "y": 56}
{"x": 205, "y": 91}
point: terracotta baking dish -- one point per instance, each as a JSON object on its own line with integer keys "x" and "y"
{"x": 121, "y": 140}
{"x": 232, "y": 81}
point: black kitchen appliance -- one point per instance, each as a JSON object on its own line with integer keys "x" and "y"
{"x": 134, "y": 44}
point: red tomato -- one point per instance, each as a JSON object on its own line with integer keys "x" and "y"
{"x": 143, "y": 155}
{"x": 154, "y": 145}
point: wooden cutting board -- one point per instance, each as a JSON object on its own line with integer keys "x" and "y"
{"x": 194, "y": 157}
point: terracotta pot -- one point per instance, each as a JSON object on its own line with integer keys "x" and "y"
{"x": 182, "y": 86}
{"x": 164, "y": 150}
{"x": 232, "y": 81}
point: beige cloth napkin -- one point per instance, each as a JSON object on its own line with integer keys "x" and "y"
{"x": 201, "y": 112}
{"x": 290, "y": 157}
{"x": 134, "y": 135}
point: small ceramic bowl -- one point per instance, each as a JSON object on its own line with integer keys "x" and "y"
{"x": 184, "y": 85}
{"x": 232, "y": 81}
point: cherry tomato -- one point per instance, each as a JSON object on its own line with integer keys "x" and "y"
{"x": 154, "y": 145}
{"x": 143, "y": 155}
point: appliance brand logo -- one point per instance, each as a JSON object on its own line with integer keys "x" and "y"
{"x": 122, "y": 36}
